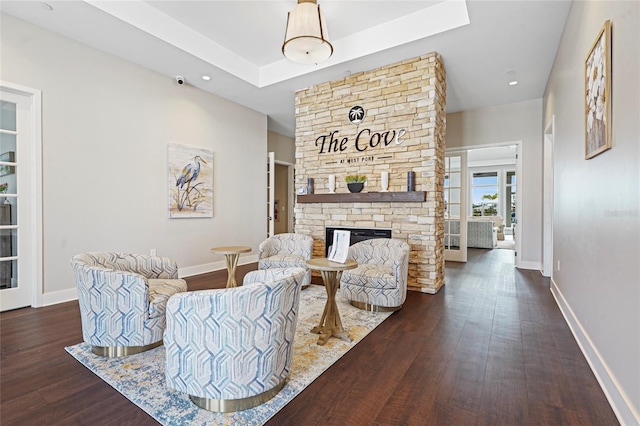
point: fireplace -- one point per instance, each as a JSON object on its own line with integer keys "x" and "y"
{"x": 357, "y": 235}
{"x": 416, "y": 217}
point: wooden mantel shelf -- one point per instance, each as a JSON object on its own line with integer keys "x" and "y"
{"x": 365, "y": 197}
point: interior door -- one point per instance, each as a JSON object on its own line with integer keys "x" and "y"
{"x": 271, "y": 172}
{"x": 17, "y": 225}
{"x": 455, "y": 196}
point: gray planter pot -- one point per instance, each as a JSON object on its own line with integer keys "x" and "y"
{"x": 355, "y": 187}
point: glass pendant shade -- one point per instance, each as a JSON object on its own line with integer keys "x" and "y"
{"x": 305, "y": 40}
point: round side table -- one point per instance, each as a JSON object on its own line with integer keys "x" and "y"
{"x": 231, "y": 254}
{"x": 330, "y": 323}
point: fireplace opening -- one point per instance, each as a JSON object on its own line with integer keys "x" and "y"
{"x": 357, "y": 235}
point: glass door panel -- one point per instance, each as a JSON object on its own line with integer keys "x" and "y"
{"x": 8, "y": 196}
{"x": 16, "y": 286}
{"x": 511, "y": 199}
{"x": 455, "y": 223}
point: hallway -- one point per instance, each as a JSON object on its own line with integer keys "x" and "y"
{"x": 491, "y": 348}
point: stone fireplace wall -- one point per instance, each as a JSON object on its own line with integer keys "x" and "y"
{"x": 408, "y": 96}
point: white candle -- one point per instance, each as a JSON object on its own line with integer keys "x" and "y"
{"x": 384, "y": 181}
{"x": 332, "y": 183}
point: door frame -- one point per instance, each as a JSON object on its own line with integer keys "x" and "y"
{"x": 547, "y": 199}
{"x": 519, "y": 180}
{"x": 290, "y": 193}
{"x": 271, "y": 172}
{"x": 34, "y": 196}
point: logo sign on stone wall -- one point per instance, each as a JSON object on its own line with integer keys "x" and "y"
{"x": 356, "y": 114}
{"x": 364, "y": 140}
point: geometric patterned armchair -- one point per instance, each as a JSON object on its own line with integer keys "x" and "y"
{"x": 123, "y": 298}
{"x": 379, "y": 283}
{"x": 286, "y": 251}
{"x": 231, "y": 349}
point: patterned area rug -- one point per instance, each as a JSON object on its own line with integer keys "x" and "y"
{"x": 140, "y": 377}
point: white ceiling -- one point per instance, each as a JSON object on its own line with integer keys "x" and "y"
{"x": 238, "y": 43}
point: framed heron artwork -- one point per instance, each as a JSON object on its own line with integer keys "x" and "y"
{"x": 190, "y": 181}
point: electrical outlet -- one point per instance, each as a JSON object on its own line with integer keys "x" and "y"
{"x": 153, "y": 252}
{"x": 558, "y": 265}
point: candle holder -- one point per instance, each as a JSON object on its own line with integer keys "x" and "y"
{"x": 309, "y": 185}
{"x": 384, "y": 181}
{"x": 332, "y": 184}
{"x": 411, "y": 181}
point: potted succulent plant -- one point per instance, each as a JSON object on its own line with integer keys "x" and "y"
{"x": 355, "y": 183}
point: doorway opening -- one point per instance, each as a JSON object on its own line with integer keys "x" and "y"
{"x": 283, "y": 198}
{"x": 492, "y": 177}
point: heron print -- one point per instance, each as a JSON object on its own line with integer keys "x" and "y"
{"x": 190, "y": 182}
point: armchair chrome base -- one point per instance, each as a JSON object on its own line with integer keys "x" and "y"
{"x": 115, "y": 351}
{"x": 228, "y": 405}
{"x": 375, "y": 308}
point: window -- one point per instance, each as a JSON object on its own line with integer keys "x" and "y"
{"x": 484, "y": 190}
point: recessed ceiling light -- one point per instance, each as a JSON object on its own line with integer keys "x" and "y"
{"x": 46, "y": 6}
{"x": 513, "y": 83}
{"x": 206, "y": 77}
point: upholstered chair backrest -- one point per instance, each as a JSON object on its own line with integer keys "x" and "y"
{"x": 273, "y": 274}
{"x": 154, "y": 267}
{"x": 385, "y": 251}
{"x": 287, "y": 244}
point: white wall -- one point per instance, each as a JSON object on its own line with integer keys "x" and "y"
{"x": 596, "y": 225}
{"x": 520, "y": 121}
{"x": 106, "y": 126}
{"x": 284, "y": 147}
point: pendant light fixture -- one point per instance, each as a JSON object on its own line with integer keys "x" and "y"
{"x": 305, "y": 40}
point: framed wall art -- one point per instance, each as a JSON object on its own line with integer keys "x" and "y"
{"x": 597, "y": 94}
{"x": 190, "y": 181}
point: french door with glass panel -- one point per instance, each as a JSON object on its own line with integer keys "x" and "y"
{"x": 455, "y": 196}
{"x": 19, "y": 260}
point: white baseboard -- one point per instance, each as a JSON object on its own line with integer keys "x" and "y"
{"x": 56, "y": 297}
{"x": 190, "y": 271}
{"x": 213, "y": 266}
{"x": 535, "y": 266}
{"x": 618, "y": 400}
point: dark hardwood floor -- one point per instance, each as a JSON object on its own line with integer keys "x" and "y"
{"x": 491, "y": 348}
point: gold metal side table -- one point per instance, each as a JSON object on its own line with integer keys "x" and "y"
{"x": 231, "y": 254}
